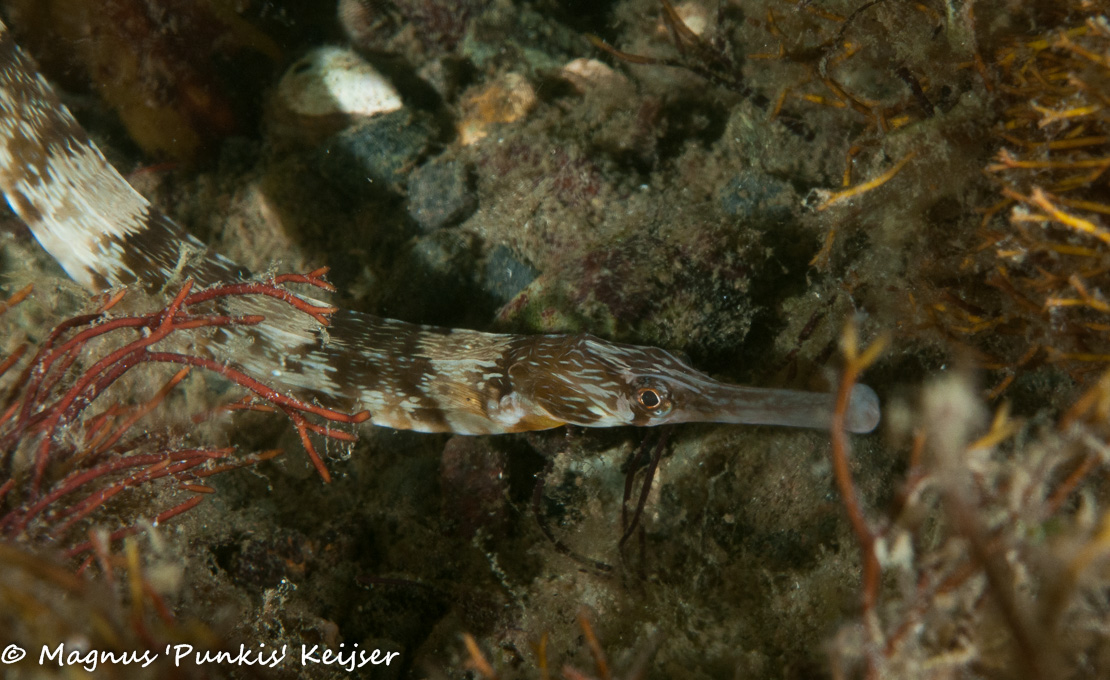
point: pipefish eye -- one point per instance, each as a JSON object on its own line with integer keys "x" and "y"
{"x": 649, "y": 398}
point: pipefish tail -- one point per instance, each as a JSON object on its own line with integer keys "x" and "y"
{"x": 409, "y": 376}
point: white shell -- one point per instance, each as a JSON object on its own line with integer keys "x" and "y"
{"x": 692, "y": 13}
{"x": 333, "y": 80}
{"x": 588, "y": 74}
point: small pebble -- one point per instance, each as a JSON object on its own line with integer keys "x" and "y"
{"x": 506, "y": 100}
{"x": 760, "y": 199}
{"x": 505, "y": 275}
{"x": 376, "y": 154}
{"x": 439, "y": 195}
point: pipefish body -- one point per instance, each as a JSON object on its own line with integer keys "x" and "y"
{"x": 409, "y": 376}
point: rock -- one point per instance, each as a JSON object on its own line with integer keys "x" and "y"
{"x": 761, "y": 200}
{"x": 440, "y": 194}
{"x": 505, "y": 100}
{"x": 505, "y": 275}
{"x": 374, "y": 156}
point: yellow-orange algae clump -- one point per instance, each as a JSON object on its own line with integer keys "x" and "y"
{"x": 1050, "y": 233}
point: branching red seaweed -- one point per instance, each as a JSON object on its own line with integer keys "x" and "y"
{"x": 62, "y": 461}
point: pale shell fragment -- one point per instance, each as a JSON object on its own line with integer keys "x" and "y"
{"x": 694, "y": 14}
{"x": 332, "y": 80}
{"x": 589, "y": 74}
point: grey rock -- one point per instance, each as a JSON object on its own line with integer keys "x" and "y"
{"x": 440, "y": 195}
{"x": 375, "y": 155}
{"x": 505, "y": 275}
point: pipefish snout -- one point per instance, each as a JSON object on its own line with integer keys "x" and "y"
{"x": 584, "y": 380}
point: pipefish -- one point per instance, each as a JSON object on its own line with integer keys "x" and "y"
{"x": 409, "y": 376}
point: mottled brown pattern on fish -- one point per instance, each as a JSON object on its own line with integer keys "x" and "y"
{"x": 409, "y": 376}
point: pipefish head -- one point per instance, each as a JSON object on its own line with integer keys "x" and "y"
{"x": 584, "y": 380}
